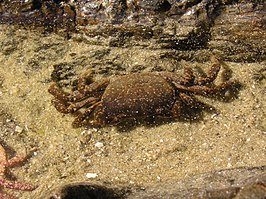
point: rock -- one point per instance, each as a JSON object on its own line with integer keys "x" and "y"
{"x": 185, "y": 29}
{"x": 236, "y": 183}
{"x": 49, "y": 15}
{"x": 236, "y": 31}
{"x": 244, "y": 182}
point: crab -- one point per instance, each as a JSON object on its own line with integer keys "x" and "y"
{"x": 112, "y": 100}
{"x": 6, "y": 163}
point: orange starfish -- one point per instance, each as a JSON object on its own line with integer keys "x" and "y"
{"x": 6, "y": 163}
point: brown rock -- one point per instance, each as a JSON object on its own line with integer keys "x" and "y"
{"x": 235, "y": 30}
{"x": 237, "y": 183}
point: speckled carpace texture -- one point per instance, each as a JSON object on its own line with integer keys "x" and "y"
{"x": 140, "y": 155}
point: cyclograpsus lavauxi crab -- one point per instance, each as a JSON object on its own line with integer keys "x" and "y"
{"x": 110, "y": 101}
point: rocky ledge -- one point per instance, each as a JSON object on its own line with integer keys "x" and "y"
{"x": 184, "y": 29}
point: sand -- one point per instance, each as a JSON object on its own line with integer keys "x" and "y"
{"x": 233, "y": 135}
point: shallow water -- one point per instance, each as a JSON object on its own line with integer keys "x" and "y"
{"x": 232, "y": 136}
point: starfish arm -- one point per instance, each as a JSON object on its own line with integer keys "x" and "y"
{"x": 16, "y": 185}
{"x": 19, "y": 159}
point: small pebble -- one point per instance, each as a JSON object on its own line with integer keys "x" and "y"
{"x": 18, "y": 129}
{"x": 99, "y": 144}
{"x": 91, "y": 175}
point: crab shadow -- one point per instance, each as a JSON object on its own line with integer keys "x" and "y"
{"x": 190, "y": 115}
{"x": 156, "y": 121}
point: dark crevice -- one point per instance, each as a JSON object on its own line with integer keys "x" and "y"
{"x": 163, "y": 6}
{"x": 88, "y": 191}
{"x": 36, "y": 5}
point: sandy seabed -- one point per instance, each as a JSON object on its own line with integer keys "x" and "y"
{"x": 232, "y": 136}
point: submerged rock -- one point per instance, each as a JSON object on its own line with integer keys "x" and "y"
{"x": 244, "y": 182}
{"x": 235, "y": 30}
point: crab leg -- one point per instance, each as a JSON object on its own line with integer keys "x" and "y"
{"x": 59, "y": 93}
{"x": 212, "y": 74}
{"x": 177, "y": 109}
{"x": 84, "y": 89}
{"x": 204, "y": 90}
{"x": 84, "y": 92}
{"x": 78, "y": 121}
{"x": 76, "y": 106}
{"x": 83, "y": 80}
{"x": 191, "y": 101}
{"x": 91, "y": 89}
{"x": 188, "y": 76}
{"x": 65, "y": 107}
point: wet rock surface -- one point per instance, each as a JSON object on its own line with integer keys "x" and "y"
{"x": 235, "y": 183}
{"x": 185, "y": 28}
